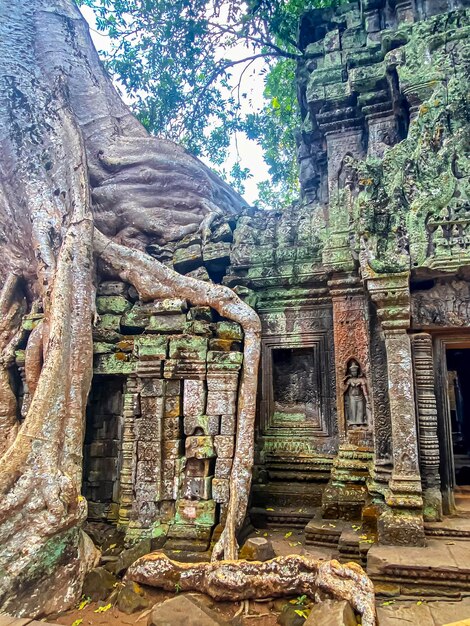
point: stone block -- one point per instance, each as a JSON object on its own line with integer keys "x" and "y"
{"x": 199, "y": 273}
{"x": 197, "y": 488}
{"x": 115, "y": 363}
{"x": 208, "y": 424}
{"x": 176, "y": 611}
{"x": 224, "y": 345}
{"x": 105, "y": 335}
{"x": 179, "y": 369}
{"x": 189, "y": 531}
{"x": 171, "y": 448}
{"x": 137, "y": 318}
{"x": 172, "y": 406}
{"x": 112, "y": 304}
{"x": 148, "y": 348}
{"x": 99, "y": 347}
{"x": 151, "y": 407}
{"x": 198, "y": 327}
{"x": 222, "y": 381}
{"x": 125, "y": 344}
{"x": 99, "y": 583}
{"x": 221, "y": 489}
{"x": 187, "y": 259}
{"x": 152, "y": 387}
{"x": 258, "y": 549}
{"x": 149, "y": 451}
{"x": 129, "y": 600}
{"x": 331, "y": 41}
{"x": 224, "y": 446}
{"x": 169, "y": 305}
{"x": 112, "y": 288}
{"x": 225, "y": 358}
{"x": 171, "y": 427}
{"x": 221, "y": 402}
{"x": 172, "y": 388}
{"x": 146, "y": 471}
{"x": 110, "y": 321}
{"x": 331, "y": 613}
{"x": 216, "y": 253}
{"x": 147, "y": 492}
{"x": 228, "y": 424}
{"x": 197, "y": 467}
{"x": 151, "y": 368}
{"x": 147, "y": 428}
{"x": 194, "y": 398}
{"x": 229, "y": 330}
{"x": 189, "y": 347}
{"x": 166, "y": 323}
{"x": 200, "y": 447}
{"x": 223, "y": 467}
{"x": 200, "y": 513}
{"x": 169, "y": 480}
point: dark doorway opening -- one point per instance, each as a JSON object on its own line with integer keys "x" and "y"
{"x": 458, "y": 387}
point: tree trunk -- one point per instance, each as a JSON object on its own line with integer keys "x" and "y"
{"x": 77, "y": 173}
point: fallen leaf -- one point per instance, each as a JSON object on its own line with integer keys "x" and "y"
{"x": 269, "y": 509}
{"x": 77, "y": 622}
{"x": 287, "y": 535}
{"x": 102, "y": 609}
{"x": 332, "y": 525}
{"x": 83, "y": 603}
{"x": 113, "y": 545}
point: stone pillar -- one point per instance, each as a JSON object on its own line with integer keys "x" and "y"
{"x": 428, "y": 442}
{"x": 126, "y": 479}
{"x": 402, "y": 522}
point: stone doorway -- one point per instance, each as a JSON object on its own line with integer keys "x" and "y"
{"x": 453, "y": 397}
{"x": 458, "y": 391}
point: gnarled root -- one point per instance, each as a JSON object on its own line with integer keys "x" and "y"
{"x": 11, "y": 310}
{"x": 242, "y": 580}
{"x": 154, "y": 280}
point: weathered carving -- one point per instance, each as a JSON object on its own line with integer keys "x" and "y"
{"x": 427, "y": 425}
{"x": 445, "y": 304}
{"x": 356, "y": 396}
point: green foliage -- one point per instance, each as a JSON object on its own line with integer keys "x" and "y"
{"x": 177, "y": 61}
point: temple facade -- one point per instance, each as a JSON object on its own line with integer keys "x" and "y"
{"x": 363, "y": 291}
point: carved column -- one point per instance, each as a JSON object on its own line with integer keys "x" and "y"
{"x": 126, "y": 482}
{"x": 428, "y": 442}
{"x": 402, "y": 522}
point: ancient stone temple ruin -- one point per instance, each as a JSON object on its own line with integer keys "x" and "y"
{"x": 363, "y": 293}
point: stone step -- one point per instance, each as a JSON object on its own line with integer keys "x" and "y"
{"x": 442, "y": 568}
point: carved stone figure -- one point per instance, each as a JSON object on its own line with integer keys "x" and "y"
{"x": 356, "y": 398}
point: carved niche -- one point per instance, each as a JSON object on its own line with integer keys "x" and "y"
{"x": 297, "y": 373}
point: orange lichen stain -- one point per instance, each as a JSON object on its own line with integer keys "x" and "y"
{"x": 121, "y": 356}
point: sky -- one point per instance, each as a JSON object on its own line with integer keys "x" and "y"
{"x": 249, "y": 152}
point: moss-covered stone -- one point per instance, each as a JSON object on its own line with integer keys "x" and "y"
{"x": 149, "y": 347}
{"x": 112, "y": 304}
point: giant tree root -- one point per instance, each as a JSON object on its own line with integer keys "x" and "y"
{"x": 243, "y": 580}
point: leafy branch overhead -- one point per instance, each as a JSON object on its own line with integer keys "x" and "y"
{"x": 186, "y": 67}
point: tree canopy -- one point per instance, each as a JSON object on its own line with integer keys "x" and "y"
{"x": 185, "y": 65}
